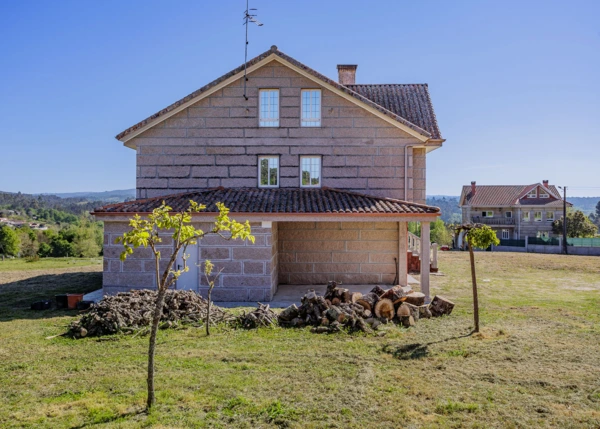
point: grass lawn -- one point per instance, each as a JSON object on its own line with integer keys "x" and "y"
{"x": 535, "y": 364}
{"x": 47, "y": 263}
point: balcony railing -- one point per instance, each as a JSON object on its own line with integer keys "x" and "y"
{"x": 494, "y": 220}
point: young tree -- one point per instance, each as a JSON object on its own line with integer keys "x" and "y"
{"x": 145, "y": 233}
{"x": 9, "y": 241}
{"x": 578, "y": 225}
{"x": 482, "y": 237}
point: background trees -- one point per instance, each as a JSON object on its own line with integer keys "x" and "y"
{"x": 578, "y": 225}
{"x": 9, "y": 241}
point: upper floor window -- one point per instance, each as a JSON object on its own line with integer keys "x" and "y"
{"x": 537, "y": 216}
{"x": 544, "y": 194}
{"x": 269, "y": 108}
{"x": 526, "y": 217}
{"x": 508, "y": 215}
{"x": 311, "y": 108}
{"x": 268, "y": 171}
{"x": 310, "y": 171}
{"x": 488, "y": 213}
{"x": 550, "y": 216}
{"x": 532, "y": 194}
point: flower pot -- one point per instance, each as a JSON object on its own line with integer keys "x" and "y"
{"x": 73, "y": 299}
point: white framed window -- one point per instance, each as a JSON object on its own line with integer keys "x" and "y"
{"x": 505, "y": 234}
{"x": 550, "y": 216}
{"x": 537, "y": 216}
{"x": 487, "y": 213}
{"x": 542, "y": 234}
{"x": 544, "y": 194}
{"x": 268, "y": 107}
{"x": 508, "y": 215}
{"x": 532, "y": 193}
{"x": 310, "y": 171}
{"x": 268, "y": 171}
{"x": 311, "y": 108}
{"x": 526, "y": 217}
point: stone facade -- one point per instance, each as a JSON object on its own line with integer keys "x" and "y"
{"x": 347, "y": 252}
{"x": 217, "y": 141}
{"x": 249, "y": 270}
{"x": 521, "y": 228}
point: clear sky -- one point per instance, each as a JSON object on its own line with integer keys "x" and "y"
{"x": 515, "y": 84}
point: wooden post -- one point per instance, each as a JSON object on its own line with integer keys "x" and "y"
{"x": 402, "y": 253}
{"x": 425, "y": 260}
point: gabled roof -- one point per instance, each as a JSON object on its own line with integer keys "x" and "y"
{"x": 413, "y": 102}
{"x": 410, "y": 101}
{"x": 276, "y": 201}
{"x": 508, "y": 196}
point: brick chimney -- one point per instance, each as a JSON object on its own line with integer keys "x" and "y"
{"x": 473, "y": 188}
{"x": 347, "y": 74}
{"x": 545, "y": 183}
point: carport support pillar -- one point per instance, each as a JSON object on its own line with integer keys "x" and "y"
{"x": 403, "y": 253}
{"x": 425, "y": 259}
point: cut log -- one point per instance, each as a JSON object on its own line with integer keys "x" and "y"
{"x": 403, "y": 311}
{"x": 346, "y": 296}
{"x": 335, "y": 301}
{"x": 385, "y": 308}
{"x": 355, "y": 296}
{"x": 378, "y": 290}
{"x": 415, "y": 298}
{"x": 414, "y": 310}
{"x": 407, "y": 289}
{"x": 424, "y": 312}
{"x": 440, "y": 306}
{"x": 407, "y": 321}
{"x": 367, "y": 313}
{"x": 289, "y": 313}
{"x": 394, "y": 294}
{"x": 333, "y": 313}
{"x": 368, "y": 301}
{"x": 311, "y": 296}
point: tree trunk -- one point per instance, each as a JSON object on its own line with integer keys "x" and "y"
{"x": 385, "y": 308}
{"x": 368, "y": 301}
{"x": 160, "y": 298}
{"x": 474, "y": 279}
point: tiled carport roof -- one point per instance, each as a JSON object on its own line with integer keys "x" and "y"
{"x": 276, "y": 201}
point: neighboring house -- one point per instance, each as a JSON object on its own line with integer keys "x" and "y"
{"x": 328, "y": 173}
{"x": 514, "y": 212}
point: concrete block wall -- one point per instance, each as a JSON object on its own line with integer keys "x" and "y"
{"x": 217, "y": 141}
{"x": 348, "y": 252}
{"x": 249, "y": 270}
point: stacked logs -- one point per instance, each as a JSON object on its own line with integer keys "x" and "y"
{"x": 130, "y": 311}
{"x": 341, "y": 308}
{"x": 262, "y": 316}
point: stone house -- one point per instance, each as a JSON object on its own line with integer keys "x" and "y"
{"x": 514, "y": 212}
{"x": 328, "y": 173}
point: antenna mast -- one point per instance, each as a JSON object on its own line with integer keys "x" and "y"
{"x": 248, "y": 17}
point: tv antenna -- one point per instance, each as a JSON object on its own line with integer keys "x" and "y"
{"x": 248, "y": 17}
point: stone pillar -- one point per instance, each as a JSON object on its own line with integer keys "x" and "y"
{"x": 402, "y": 253}
{"x": 425, "y": 260}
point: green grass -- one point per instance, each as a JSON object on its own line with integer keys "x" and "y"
{"x": 20, "y": 264}
{"x": 535, "y": 363}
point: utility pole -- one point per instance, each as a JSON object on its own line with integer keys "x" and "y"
{"x": 565, "y": 220}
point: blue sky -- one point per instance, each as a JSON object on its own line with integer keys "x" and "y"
{"x": 515, "y": 84}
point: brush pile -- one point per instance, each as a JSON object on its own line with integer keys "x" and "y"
{"x": 131, "y": 311}
{"x": 341, "y": 308}
{"x": 262, "y": 316}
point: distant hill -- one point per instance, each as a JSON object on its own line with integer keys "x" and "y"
{"x": 585, "y": 204}
{"x": 111, "y": 196}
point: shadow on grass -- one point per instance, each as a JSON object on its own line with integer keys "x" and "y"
{"x": 16, "y": 297}
{"x": 417, "y": 350}
{"x": 113, "y": 418}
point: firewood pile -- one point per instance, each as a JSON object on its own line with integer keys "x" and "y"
{"x": 131, "y": 311}
{"x": 262, "y": 316}
{"x": 340, "y": 308}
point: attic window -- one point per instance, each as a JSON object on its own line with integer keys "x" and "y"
{"x": 269, "y": 108}
{"x": 544, "y": 194}
{"x": 311, "y": 108}
{"x": 532, "y": 194}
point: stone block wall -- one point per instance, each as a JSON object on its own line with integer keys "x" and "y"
{"x": 348, "y": 252}
{"x": 217, "y": 141}
{"x": 249, "y": 270}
